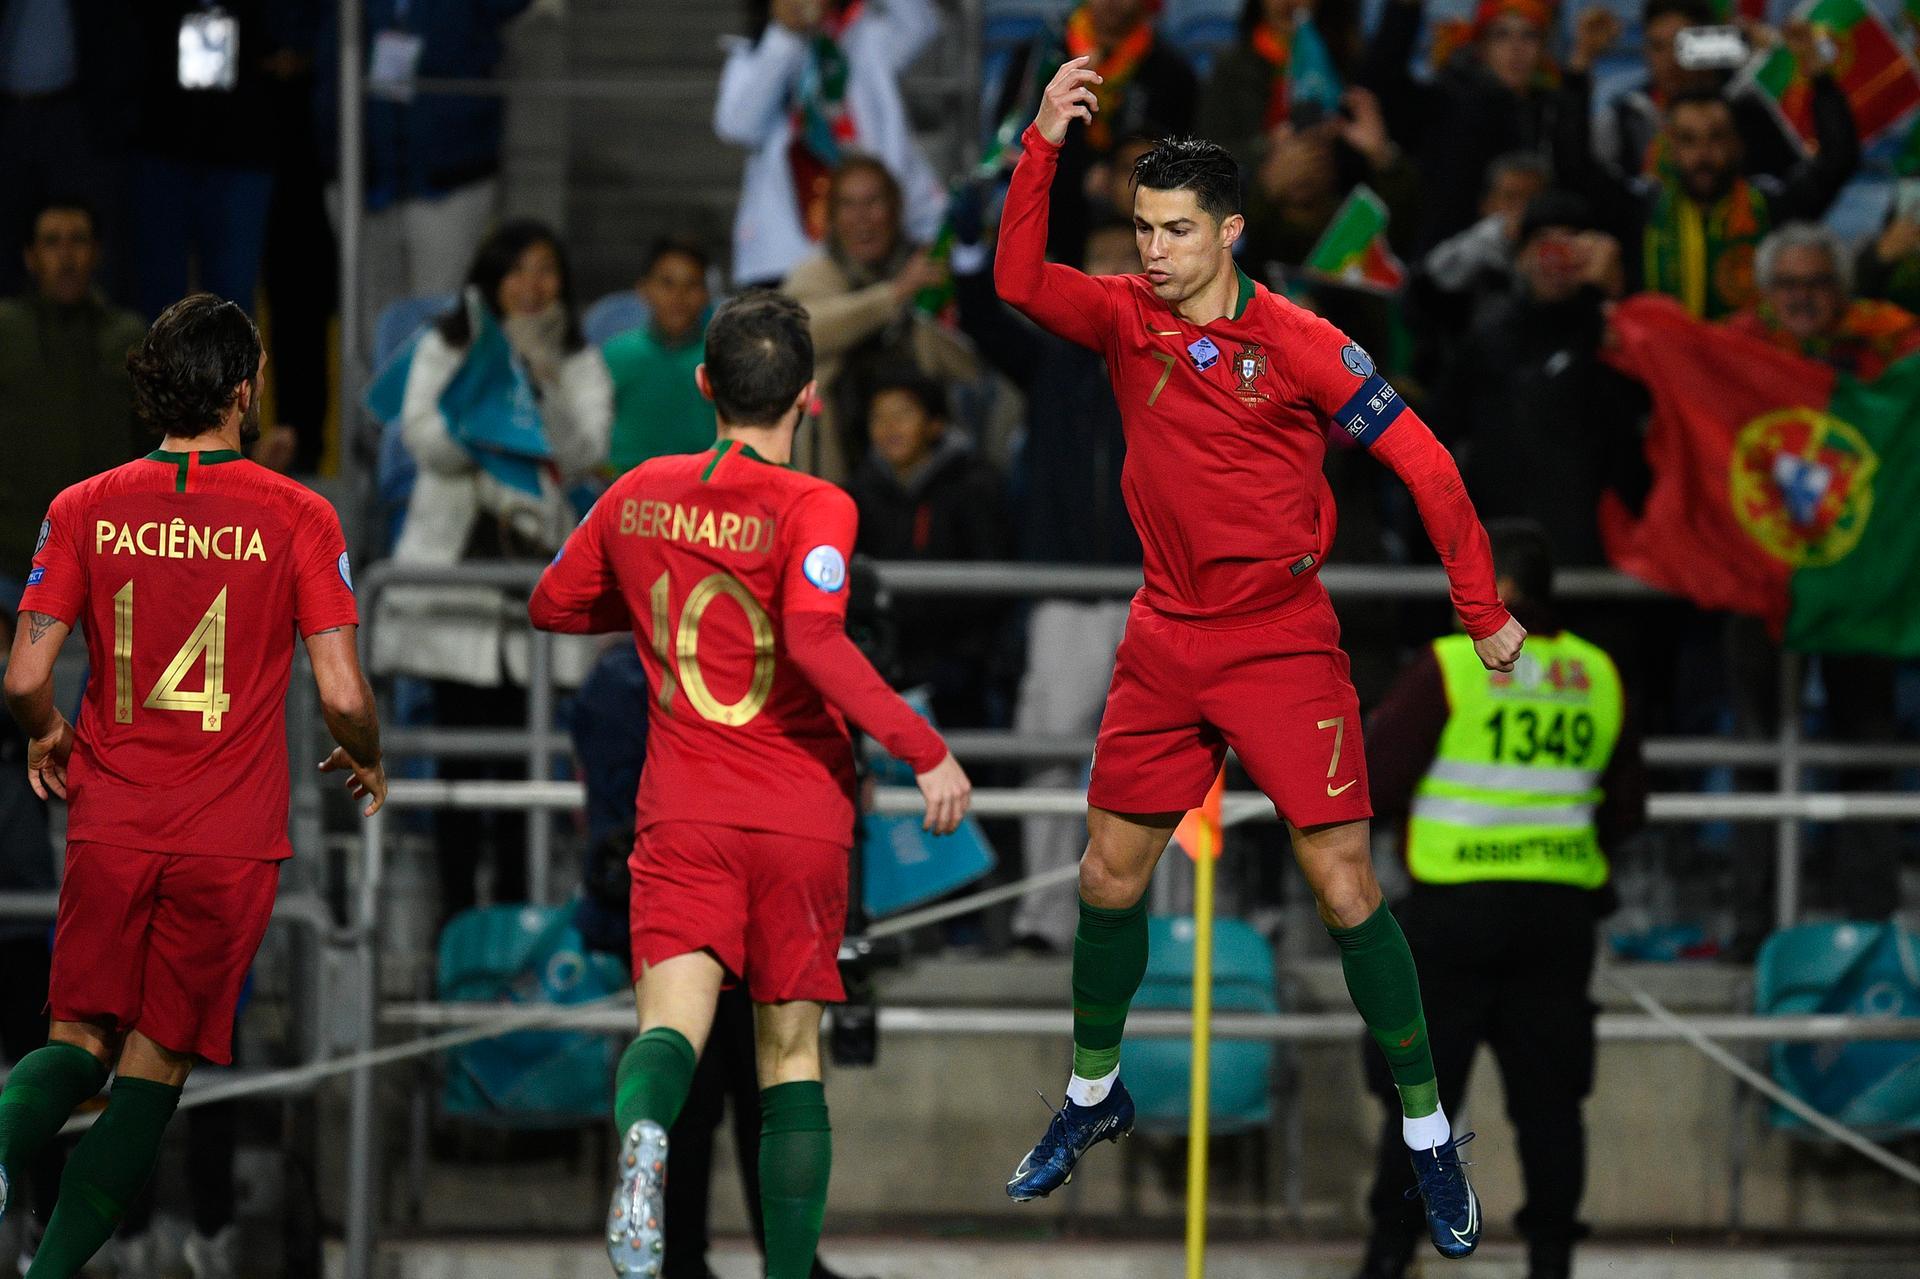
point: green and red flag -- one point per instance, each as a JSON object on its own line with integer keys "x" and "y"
{"x": 1353, "y": 249}
{"x": 1879, "y": 77}
{"x": 1781, "y": 488}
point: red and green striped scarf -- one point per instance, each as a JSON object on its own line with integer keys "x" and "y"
{"x": 1704, "y": 257}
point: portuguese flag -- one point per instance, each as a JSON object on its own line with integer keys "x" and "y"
{"x": 1881, "y": 82}
{"x": 1353, "y": 249}
{"x": 1781, "y": 489}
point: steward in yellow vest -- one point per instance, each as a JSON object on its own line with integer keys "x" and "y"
{"x": 1514, "y": 787}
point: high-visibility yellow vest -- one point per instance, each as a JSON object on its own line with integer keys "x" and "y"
{"x": 1511, "y": 792}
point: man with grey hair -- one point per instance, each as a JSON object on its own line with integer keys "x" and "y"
{"x": 1806, "y": 305}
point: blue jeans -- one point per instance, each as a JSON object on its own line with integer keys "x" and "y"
{"x": 201, "y": 222}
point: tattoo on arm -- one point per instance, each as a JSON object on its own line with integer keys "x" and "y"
{"x": 38, "y": 624}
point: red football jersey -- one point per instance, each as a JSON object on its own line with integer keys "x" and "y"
{"x": 710, "y": 558}
{"x": 1226, "y": 427}
{"x": 189, "y": 573}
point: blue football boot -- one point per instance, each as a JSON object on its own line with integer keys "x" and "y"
{"x": 1453, "y": 1210}
{"x": 1074, "y": 1131}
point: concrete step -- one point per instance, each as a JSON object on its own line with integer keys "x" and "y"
{"x": 1090, "y": 1259}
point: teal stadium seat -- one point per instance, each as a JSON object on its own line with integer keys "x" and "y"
{"x": 537, "y": 1078}
{"x": 1862, "y": 969}
{"x": 1241, "y": 1073}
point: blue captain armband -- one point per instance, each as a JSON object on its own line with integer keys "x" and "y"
{"x": 1370, "y": 411}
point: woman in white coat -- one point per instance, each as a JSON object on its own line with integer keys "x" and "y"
{"x": 472, "y": 642}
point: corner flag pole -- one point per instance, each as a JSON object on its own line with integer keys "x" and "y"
{"x": 1200, "y": 834}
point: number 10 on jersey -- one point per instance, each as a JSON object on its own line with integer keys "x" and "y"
{"x": 209, "y": 641}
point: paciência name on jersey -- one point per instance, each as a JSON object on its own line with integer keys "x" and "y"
{"x": 178, "y": 540}
{"x": 723, "y": 530}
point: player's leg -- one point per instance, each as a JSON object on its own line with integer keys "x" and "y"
{"x": 43, "y": 1090}
{"x": 115, "y": 1157}
{"x": 676, "y": 998}
{"x": 1109, "y": 960}
{"x": 796, "y": 1138}
{"x": 207, "y": 920}
{"x": 94, "y": 990}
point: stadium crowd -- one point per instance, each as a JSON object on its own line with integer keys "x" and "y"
{"x": 1516, "y": 204}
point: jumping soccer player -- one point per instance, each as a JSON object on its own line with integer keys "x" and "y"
{"x": 735, "y": 567}
{"x": 190, "y": 570}
{"x": 1226, "y": 393}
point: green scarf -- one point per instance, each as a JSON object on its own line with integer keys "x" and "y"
{"x": 1704, "y": 257}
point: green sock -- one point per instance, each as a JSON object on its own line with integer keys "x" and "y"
{"x": 41, "y": 1094}
{"x": 107, "y": 1169}
{"x": 1109, "y": 959}
{"x": 796, "y": 1159}
{"x": 655, "y": 1075}
{"x": 1386, "y": 989}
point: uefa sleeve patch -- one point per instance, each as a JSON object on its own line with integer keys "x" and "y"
{"x": 826, "y": 568}
{"x": 46, "y": 531}
{"x": 1370, "y": 411}
{"x": 1358, "y": 362}
{"x": 33, "y": 578}
{"x": 346, "y": 571}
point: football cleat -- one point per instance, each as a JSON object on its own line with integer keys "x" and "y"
{"x": 636, "y": 1222}
{"x": 1453, "y": 1210}
{"x": 1073, "y": 1131}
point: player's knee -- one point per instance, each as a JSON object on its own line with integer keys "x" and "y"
{"x": 1108, "y": 885}
{"x": 1349, "y": 896}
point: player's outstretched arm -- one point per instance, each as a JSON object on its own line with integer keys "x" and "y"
{"x": 29, "y": 692}
{"x": 1427, "y": 469}
{"x": 346, "y": 703}
{"x": 1058, "y": 298}
{"x": 816, "y": 642}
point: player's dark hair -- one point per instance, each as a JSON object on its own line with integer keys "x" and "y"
{"x": 925, "y": 391}
{"x": 675, "y": 246}
{"x": 1700, "y": 97}
{"x": 1191, "y": 164}
{"x": 1523, "y": 552}
{"x": 759, "y": 356}
{"x": 493, "y": 261}
{"x": 30, "y": 226}
{"x": 192, "y": 363}
{"x": 1698, "y": 13}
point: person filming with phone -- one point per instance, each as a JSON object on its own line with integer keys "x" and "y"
{"x": 1697, "y": 219}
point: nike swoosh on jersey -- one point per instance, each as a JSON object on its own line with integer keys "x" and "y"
{"x": 1334, "y": 792}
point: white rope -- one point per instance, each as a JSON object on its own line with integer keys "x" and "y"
{"x": 542, "y": 1017}
{"x": 1765, "y": 1086}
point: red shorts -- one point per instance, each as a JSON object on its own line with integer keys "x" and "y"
{"x": 1277, "y": 691}
{"x": 771, "y": 908}
{"x": 159, "y": 943}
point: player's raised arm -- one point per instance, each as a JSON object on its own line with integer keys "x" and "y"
{"x": 578, "y": 593}
{"x": 1056, "y": 297}
{"x": 813, "y": 617}
{"x": 1340, "y": 378}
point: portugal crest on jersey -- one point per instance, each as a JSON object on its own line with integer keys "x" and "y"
{"x": 1249, "y": 365}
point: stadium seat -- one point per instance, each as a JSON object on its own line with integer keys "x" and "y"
{"x": 530, "y": 1079}
{"x": 1860, "y": 969}
{"x": 1158, "y": 1071}
{"x": 613, "y": 315}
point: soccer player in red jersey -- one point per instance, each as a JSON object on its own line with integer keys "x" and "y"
{"x": 190, "y": 571}
{"x": 734, "y": 566}
{"x": 1227, "y": 393}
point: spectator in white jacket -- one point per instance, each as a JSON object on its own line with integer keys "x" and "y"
{"x": 471, "y": 641}
{"x": 822, "y": 80}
